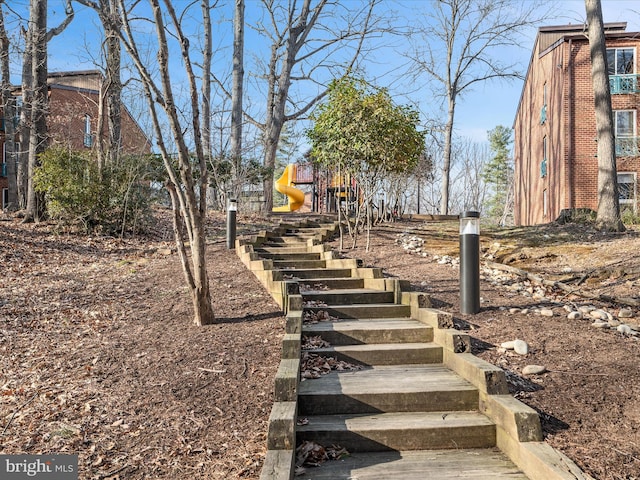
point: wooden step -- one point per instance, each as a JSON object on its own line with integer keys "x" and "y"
{"x": 349, "y": 296}
{"x": 297, "y": 264}
{"x": 383, "y": 330}
{"x": 384, "y": 353}
{"x": 398, "y": 388}
{"x": 468, "y": 464}
{"x": 317, "y": 273}
{"x": 290, "y": 256}
{"x": 281, "y": 249}
{"x": 399, "y": 431}
{"x": 376, "y": 310}
{"x": 330, "y": 283}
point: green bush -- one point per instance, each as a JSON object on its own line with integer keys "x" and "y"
{"x": 115, "y": 200}
{"x": 629, "y": 217}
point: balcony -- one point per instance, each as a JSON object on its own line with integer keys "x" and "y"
{"x": 627, "y": 146}
{"x": 623, "y": 84}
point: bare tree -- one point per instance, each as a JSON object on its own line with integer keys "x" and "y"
{"x": 608, "y": 217}
{"x": 455, "y": 46}
{"x": 111, "y": 91}
{"x": 295, "y": 56}
{"x": 236, "y": 94}
{"x": 35, "y": 96}
{"x": 186, "y": 169}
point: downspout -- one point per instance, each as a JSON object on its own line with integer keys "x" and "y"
{"x": 570, "y": 130}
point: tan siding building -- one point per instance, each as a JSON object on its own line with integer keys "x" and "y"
{"x": 556, "y": 167}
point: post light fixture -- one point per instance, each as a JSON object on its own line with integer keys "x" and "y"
{"x": 470, "y": 262}
{"x": 231, "y": 223}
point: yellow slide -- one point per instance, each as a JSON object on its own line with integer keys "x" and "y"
{"x": 283, "y": 185}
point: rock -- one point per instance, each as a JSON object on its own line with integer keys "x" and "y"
{"x": 598, "y": 314}
{"x": 625, "y": 313}
{"x": 586, "y": 308}
{"x": 508, "y": 345}
{"x": 514, "y": 310}
{"x": 521, "y": 347}
{"x": 546, "y": 312}
{"x": 624, "y": 329}
{"x": 524, "y": 311}
{"x": 600, "y": 324}
{"x": 614, "y": 323}
{"x": 574, "y": 315}
{"x": 534, "y": 370}
{"x": 568, "y": 308}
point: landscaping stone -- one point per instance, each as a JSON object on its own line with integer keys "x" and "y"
{"x": 624, "y": 329}
{"x": 508, "y": 345}
{"x": 521, "y": 347}
{"x": 625, "y": 313}
{"x": 534, "y": 370}
{"x": 546, "y": 312}
{"x": 574, "y": 315}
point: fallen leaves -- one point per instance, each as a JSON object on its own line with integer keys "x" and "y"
{"x": 314, "y": 342}
{"x": 314, "y": 365}
{"x": 315, "y": 316}
{"x": 311, "y": 454}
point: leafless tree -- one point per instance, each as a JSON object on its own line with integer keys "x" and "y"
{"x": 608, "y": 217}
{"x": 236, "y": 94}
{"x": 36, "y": 85}
{"x": 296, "y": 56}
{"x": 187, "y": 168}
{"x": 455, "y": 47}
{"x": 111, "y": 91}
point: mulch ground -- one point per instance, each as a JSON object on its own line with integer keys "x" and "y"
{"x": 99, "y": 355}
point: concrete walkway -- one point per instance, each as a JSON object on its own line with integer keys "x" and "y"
{"x": 416, "y": 403}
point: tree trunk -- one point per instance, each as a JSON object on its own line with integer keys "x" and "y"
{"x": 236, "y": 95}
{"x": 446, "y": 161}
{"x": 39, "y": 90}
{"x": 608, "y": 217}
{"x": 113, "y": 90}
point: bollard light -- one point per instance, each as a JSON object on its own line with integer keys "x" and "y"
{"x": 470, "y": 262}
{"x": 231, "y": 223}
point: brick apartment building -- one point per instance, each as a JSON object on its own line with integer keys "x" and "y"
{"x": 556, "y": 167}
{"x": 72, "y": 121}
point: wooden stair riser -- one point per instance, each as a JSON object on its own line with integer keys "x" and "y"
{"x": 350, "y": 297}
{"x": 365, "y": 311}
{"x": 399, "y": 354}
{"x": 338, "y": 334}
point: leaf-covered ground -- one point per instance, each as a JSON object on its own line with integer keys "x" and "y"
{"x": 98, "y": 354}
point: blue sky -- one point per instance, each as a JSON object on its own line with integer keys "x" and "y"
{"x": 480, "y": 110}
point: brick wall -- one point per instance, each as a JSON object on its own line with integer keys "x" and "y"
{"x": 572, "y": 166}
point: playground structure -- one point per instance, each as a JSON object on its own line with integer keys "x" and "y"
{"x": 326, "y": 188}
{"x": 284, "y": 185}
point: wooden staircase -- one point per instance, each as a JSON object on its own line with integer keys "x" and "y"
{"x": 415, "y": 405}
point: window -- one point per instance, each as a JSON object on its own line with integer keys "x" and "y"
{"x": 545, "y": 203}
{"x": 621, "y": 67}
{"x": 621, "y": 61}
{"x": 5, "y": 198}
{"x": 625, "y": 132}
{"x": 543, "y": 164}
{"x": 627, "y": 190}
{"x": 88, "y": 139}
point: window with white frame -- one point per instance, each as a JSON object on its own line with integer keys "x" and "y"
{"x": 621, "y": 61}
{"x": 627, "y": 190}
{"x": 88, "y": 139}
{"x": 625, "y": 132}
